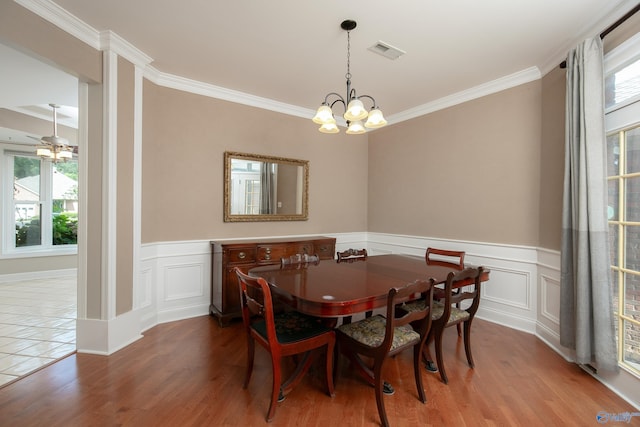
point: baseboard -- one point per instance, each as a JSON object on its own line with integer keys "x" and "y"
{"x": 34, "y": 275}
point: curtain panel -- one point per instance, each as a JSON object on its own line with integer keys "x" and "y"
{"x": 586, "y": 314}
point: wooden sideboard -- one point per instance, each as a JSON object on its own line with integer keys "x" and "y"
{"x": 246, "y": 254}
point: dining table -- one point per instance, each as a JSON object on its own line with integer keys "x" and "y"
{"x": 334, "y": 289}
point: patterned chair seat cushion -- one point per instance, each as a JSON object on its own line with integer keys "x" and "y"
{"x": 371, "y": 331}
{"x": 292, "y": 326}
{"x": 438, "y": 308}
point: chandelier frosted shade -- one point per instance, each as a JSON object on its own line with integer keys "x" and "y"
{"x": 355, "y": 111}
{"x": 356, "y": 128}
{"x": 324, "y": 115}
{"x": 329, "y": 128}
{"x": 375, "y": 119}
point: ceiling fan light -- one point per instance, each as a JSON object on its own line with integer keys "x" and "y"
{"x": 375, "y": 120}
{"x": 65, "y": 153}
{"x": 329, "y": 128}
{"x": 323, "y": 115}
{"x": 355, "y": 111}
{"x": 43, "y": 151}
{"x": 356, "y": 128}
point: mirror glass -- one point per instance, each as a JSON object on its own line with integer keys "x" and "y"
{"x": 265, "y": 188}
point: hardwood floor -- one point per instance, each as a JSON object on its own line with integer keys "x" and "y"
{"x": 190, "y": 373}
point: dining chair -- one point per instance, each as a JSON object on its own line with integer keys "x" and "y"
{"x": 282, "y": 334}
{"x": 351, "y": 255}
{"x": 445, "y": 258}
{"x": 378, "y": 337}
{"x": 446, "y": 313}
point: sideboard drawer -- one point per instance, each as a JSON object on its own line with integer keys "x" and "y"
{"x": 241, "y": 255}
{"x": 272, "y": 253}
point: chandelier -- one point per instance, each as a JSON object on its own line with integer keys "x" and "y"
{"x": 355, "y": 112}
{"x": 54, "y": 148}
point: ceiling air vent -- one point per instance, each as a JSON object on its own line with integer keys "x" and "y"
{"x": 386, "y": 50}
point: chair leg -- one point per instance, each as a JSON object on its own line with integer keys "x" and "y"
{"x": 438, "y": 339}
{"x": 467, "y": 342}
{"x": 417, "y": 354}
{"x": 459, "y": 328}
{"x": 250, "y": 357}
{"x": 382, "y": 413}
{"x": 275, "y": 387}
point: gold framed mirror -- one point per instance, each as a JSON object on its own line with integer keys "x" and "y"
{"x": 265, "y": 188}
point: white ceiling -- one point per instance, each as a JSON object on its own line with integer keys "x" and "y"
{"x": 294, "y": 51}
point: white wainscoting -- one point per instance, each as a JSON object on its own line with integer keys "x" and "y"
{"x": 175, "y": 278}
{"x": 175, "y": 281}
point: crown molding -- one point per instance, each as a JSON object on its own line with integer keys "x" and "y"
{"x": 498, "y": 85}
{"x": 99, "y": 40}
{"x": 206, "y": 89}
{"x": 51, "y": 12}
{"x": 113, "y": 42}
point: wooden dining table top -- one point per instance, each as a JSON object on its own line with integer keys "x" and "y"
{"x": 331, "y": 289}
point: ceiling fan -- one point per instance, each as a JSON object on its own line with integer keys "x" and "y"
{"x": 54, "y": 147}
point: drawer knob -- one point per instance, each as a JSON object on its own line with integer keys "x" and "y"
{"x": 267, "y": 256}
{"x": 268, "y": 250}
{"x": 242, "y": 255}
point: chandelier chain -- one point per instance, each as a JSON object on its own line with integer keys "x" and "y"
{"x": 348, "y": 75}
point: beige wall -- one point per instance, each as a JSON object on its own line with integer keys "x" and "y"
{"x": 184, "y": 138}
{"x": 125, "y": 185}
{"x": 552, "y": 158}
{"x": 468, "y": 172}
{"x": 94, "y": 204}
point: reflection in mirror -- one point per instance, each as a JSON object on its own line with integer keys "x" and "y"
{"x": 265, "y": 188}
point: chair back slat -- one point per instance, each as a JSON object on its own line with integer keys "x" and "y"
{"x": 445, "y": 258}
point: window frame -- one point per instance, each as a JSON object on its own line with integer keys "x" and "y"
{"x": 7, "y": 220}
{"x": 620, "y": 118}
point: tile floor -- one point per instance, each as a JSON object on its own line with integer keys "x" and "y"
{"x": 37, "y": 324}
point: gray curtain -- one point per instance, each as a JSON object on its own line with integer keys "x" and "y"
{"x": 267, "y": 188}
{"x": 586, "y": 314}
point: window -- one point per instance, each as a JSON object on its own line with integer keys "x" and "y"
{"x": 622, "y": 93}
{"x": 41, "y": 210}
